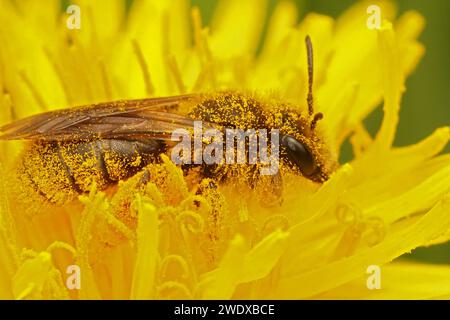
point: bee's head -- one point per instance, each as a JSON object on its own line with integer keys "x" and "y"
{"x": 302, "y": 148}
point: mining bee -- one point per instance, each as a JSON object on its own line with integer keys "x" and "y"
{"x": 107, "y": 142}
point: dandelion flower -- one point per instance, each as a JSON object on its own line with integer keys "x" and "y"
{"x": 173, "y": 243}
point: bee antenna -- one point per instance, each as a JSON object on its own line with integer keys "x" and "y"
{"x": 309, "y": 54}
{"x": 317, "y": 117}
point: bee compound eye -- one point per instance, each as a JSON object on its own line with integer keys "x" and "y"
{"x": 299, "y": 154}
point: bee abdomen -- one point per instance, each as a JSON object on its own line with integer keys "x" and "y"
{"x": 60, "y": 171}
{"x": 123, "y": 158}
{"x": 42, "y": 173}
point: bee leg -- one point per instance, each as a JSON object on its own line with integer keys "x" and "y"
{"x": 210, "y": 192}
{"x": 208, "y": 189}
{"x": 126, "y": 194}
{"x": 207, "y": 184}
{"x": 270, "y": 190}
{"x": 144, "y": 179}
{"x": 215, "y": 217}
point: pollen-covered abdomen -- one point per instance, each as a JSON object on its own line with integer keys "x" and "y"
{"x": 58, "y": 171}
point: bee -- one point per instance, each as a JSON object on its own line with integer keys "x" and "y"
{"x": 107, "y": 142}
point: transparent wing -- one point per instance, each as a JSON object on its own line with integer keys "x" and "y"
{"x": 145, "y": 118}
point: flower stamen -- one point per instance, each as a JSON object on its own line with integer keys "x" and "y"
{"x": 277, "y": 221}
{"x": 62, "y": 80}
{"x": 150, "y": 89}
{"x": 173, "y": 286}
{"x": 61, "y": 245}
{"x": 174, "y": 259}
{"x": 376, "y": 230}
{"x": 33, "y": 90}
{"x": 191, "y": 220}
{"x": 174, "y": 69}
{"x": 105, "y": 80}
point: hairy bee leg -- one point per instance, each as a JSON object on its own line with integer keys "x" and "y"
{"x": 206, "y": 184}
{"x": 125, "y": 195}
{"x": 144, "y": 179}
{"x": 208, "y": 189}
{"x": 215, "y": 218}
{"x": 270, "y": 190}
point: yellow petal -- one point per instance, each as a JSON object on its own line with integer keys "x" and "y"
{"x": 332, "y": 275}
{"x": 392, "y": 83}
{"x": 396, "y": 168}
{"x": 399, "y": 280}
{"x": 419, "y": 198}
{"x": 31, "y": 276}
{"x": 263, "y": 257}
{"x": 281, "y": 22}
{"x": 94, "y": 205}
{"x": 147, "y": 254}
{"x": 309, "y": 239}
{"x": 237, "y": 26}
{"x": 221, "y": 283}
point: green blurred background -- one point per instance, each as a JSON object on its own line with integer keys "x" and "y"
{"x": 426, "y": 103}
